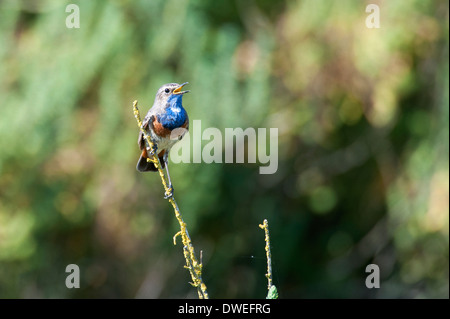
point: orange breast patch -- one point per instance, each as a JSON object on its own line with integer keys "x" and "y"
{"x": 159, "y": 129}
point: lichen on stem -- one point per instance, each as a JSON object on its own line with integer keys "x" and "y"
{"x": 272, "y": 290}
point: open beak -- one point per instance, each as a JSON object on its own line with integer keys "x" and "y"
{"x": 178, "y": 89}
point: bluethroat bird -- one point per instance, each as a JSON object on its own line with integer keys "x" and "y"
{"x": 166, "y": 122}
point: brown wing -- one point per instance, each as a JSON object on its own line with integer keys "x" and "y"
{"x": 186, "y": 123}
{"x": 145, "y": 124}
{"x": 185, "y": 126}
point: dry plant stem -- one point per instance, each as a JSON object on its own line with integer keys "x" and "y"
{"x": 194, "y": 267}
{"x": 265, "y": 226}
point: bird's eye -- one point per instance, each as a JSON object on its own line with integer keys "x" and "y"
{"x": 167, "y": 90}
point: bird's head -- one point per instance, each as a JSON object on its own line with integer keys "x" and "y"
{"x": 170, "y": 91}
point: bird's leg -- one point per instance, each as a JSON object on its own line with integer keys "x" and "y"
{"x": 166, "y": 162}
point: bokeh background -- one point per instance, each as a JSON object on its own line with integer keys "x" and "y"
{"x": 363, "y": 174}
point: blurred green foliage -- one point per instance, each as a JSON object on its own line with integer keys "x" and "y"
{"x": 363, "y": 148}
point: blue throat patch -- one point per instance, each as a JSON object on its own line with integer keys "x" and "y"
{"x": 174, "y": 114}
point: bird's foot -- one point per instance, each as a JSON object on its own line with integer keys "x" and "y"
{"x": 169, "y": 193}
{"x": 153, "y": 150}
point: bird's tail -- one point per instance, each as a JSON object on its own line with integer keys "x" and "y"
{"x": 144, "y": 166}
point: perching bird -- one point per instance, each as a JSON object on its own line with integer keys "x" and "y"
{"x": 166, "y": 123}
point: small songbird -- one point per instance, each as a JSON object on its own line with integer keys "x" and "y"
{"x": 166, "y": 122}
